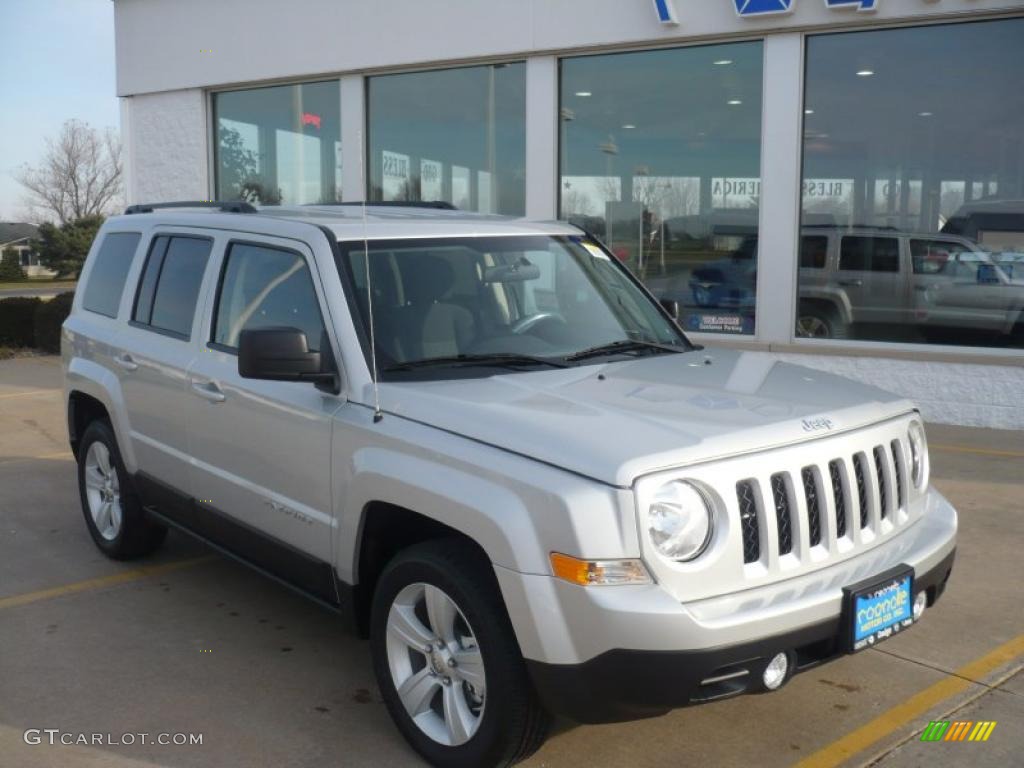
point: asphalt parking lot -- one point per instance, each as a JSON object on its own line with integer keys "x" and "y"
{"x": 191, "y": 642}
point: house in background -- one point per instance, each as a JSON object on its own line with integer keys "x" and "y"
{"x": 18, "y": 236}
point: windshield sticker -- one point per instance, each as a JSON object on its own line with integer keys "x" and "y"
{"x": 594, "y": 251}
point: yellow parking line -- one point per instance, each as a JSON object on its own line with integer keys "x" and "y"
{"x": 913, "y": 708}
{"x": 135, "y": 574}
{"x": 22, "y": 459}
{"x": 981, "y": 451}
{"x": 31, "y": 393}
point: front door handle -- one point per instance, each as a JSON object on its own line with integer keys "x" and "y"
{"x": 209, "y": 390}
{"x": 125, "y": 361}
{"x": 855, "y": 283}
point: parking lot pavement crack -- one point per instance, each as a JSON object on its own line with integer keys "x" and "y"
{"x": 952, "y": 673}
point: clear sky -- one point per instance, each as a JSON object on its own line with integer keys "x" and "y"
{"x": 56, "y": 63}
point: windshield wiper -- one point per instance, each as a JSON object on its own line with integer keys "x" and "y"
{"x": 499, "y": 359}
{"x": 623, "y": 345}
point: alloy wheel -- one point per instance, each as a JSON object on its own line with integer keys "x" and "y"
{"x": 435, "y": 664}
{"x": 103, "y": 491}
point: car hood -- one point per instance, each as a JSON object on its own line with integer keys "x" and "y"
{"x": 617, "y": 421}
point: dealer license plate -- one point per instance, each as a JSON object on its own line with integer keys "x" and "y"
{"x": 880, "y": 610}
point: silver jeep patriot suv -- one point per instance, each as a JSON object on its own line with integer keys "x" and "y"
{"x": 484, "y": 444}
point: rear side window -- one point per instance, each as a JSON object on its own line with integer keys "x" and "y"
{"x": 169, "y": 288}
{"x": 870, "y": 254}
{"x": 262, "y": 288}
{"x": 813, "y": 250}
{"x": 109, "y": 272}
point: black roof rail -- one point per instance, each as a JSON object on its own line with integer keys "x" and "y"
{"x": 442, "y": 205}
{"x": 228, "y": 206}
{"x": 883, "y": 227}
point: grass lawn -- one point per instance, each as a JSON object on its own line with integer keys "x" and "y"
{"x": 62, "y": 284}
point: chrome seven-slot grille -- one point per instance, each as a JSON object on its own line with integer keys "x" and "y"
{"x": 845, "y": 489}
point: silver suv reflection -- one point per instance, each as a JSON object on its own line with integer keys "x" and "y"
{"x": 484, "y": 444}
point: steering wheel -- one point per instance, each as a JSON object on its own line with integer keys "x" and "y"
{"x": 528, "y": 323}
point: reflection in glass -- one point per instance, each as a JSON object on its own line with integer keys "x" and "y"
{"x": 660, "y": 158}
{"x": 454, "y": 135}
{"x": 280, "y": 144}
{"x": 913, "y": 220}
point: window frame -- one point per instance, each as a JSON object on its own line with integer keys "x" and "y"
{"x": 212, "y": 117}
{"x": 154, "y": 236}
{"x": 219, "y": 284}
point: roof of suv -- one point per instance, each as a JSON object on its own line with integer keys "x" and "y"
{"x": 347, "y": 221}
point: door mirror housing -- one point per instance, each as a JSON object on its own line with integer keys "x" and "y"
{"x": 280, "y": 354}
{"x": 671, "y": 306}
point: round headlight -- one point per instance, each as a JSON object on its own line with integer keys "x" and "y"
{"x": 679, "y": 521}
{"x": 918, "y": 454}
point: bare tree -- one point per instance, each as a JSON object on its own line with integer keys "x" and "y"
{"x": 79, "y": 176}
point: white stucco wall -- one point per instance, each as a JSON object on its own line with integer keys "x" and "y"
{"x": 967, "y": 394}
{"x": 167, "y": 146}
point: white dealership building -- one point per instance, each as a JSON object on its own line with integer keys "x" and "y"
{"x": 836, "y": 181}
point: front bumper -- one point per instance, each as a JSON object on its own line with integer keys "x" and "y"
{"x": 601, "y": 654}
{"x": 628, "y": 684}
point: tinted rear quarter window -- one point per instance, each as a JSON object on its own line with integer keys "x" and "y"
{"x": 109, "y": 272}
{"x": 813, "y": 251}
{"x": 870, "y": 254}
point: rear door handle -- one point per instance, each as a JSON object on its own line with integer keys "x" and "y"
{"x": 125, "y": 361}
{"x": 209, "y": 390}
{"x": 856, "y": 283}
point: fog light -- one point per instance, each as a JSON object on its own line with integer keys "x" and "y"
{"x": 775, "y": 672}
{"x": 920, "y": 603}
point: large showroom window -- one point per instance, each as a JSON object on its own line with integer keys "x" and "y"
{"x": 451, "y": 135}
{"x": 660, "y": 158}
{"x": 913, "y": 186}
{"x": 280, "y": 144}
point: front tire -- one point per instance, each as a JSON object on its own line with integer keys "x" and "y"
{"x": 113, "y": 512}
{"x": 447, "y": 661}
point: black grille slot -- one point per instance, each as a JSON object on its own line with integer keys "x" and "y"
{"x": 748, "y": 521}
{"x": 813, "y": 505}
{"x": 897, "y": 462}
{"x": 838, "y": 497}
{"x": 780, "y": 495}
{"x": 860, "y": 471}
{"x": 883, "y": 485}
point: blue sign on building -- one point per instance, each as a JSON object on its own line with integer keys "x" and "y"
{"x": 862, "y": 5}
{"x": 768, "y": 7}
{"x": 762, "y": 7}
{"x": 666, "y": 11}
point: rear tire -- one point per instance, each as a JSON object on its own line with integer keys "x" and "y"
{"x": 113, "y": 512}
{"x": 496, "y": 718}
{"x": 818, "y": 322}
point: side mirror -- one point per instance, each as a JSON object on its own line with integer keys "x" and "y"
{"x": 671, "y": 306}
{"x": 279, "y": 354}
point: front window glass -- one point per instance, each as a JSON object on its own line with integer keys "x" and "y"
{"x": 660, "y": 158}
{"x": 266, "y": 288}
{"x": 280, "y": 144}
{"x": 912, "y": 163}
{"x": 548, "y": 298}
{"x": 452, "y": 135}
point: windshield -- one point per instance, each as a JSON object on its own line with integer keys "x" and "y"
{"x": 460, "y": 302}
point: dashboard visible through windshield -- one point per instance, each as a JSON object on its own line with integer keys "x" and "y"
{"x": 511, "y": 302}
